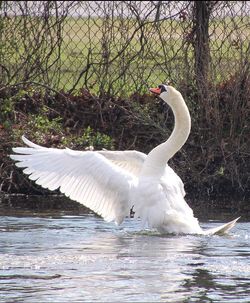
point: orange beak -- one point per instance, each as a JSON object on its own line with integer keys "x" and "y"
{"x": 156, "y": 91}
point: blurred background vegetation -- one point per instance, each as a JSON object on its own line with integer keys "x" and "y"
{"x": 76, "y": 74}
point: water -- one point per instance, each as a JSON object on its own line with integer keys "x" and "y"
{"x": 80, "y": 258}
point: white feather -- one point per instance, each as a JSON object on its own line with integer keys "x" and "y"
{"x": 84, "y": 176}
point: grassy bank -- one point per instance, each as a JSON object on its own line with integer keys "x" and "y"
{"x": 214, "y": 163}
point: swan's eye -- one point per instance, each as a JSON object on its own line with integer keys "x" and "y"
{"x": 163, "y": 88}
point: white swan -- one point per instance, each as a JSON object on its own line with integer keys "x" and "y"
{"x": 112, "y": 182}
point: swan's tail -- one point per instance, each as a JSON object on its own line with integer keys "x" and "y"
{"x": 221, "y": 229}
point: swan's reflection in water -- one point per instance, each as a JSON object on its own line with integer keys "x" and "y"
{"x": 83, "y": 258}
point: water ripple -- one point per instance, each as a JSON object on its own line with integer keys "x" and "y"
{"x": 86, "y": 259}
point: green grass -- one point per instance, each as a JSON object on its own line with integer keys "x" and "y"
{"x": 164, "y": 55}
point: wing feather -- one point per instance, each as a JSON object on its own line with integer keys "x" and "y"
{"x": 129, "y": 160}
{"x": 87, "y": 177}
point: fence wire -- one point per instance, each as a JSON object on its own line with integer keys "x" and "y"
{"x": 120, "y": 47}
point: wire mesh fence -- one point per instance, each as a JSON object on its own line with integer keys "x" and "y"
{"x": 119, "y": 47}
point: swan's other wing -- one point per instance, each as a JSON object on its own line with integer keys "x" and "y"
{"x": 129, "y": 160}
{"x": 175, "y": 180}
{"x": 86, "y": 177}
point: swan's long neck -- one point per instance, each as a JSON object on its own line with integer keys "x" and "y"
{"x": 157, "y": 159}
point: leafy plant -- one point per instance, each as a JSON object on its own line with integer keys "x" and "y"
{"x": 44, "y": 124}
{"x": 89, "y": 139}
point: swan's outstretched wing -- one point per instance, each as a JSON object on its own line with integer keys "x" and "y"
{"x": 87, "y": 177}
{"x": 129, "y": 160}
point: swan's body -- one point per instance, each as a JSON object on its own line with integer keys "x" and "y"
{"x": 112, "y": 182}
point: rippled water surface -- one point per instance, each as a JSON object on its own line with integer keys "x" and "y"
{"x": 62, "y": 258}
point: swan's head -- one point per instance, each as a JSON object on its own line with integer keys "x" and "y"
{"x": 166, "y": 92}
